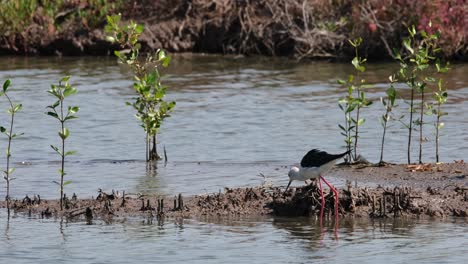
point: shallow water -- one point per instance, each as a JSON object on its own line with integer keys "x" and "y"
{"x": 252, "y": 240}
{"x": 235, "y": 119}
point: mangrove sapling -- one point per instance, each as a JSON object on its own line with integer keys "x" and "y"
{"x": 389, "y": 104}
{"x": 14, "y": 108}
{"x": 57, "y": 111}
{"x": 440, "y": 97}
{"x": 347, "y": 104}
{"x": 361, "y": 100}
{"x": 410, "y": 79}
{"x": 351, "y": 102}
{"x": 413, "y": 70}
{"x": 149, "y": 103}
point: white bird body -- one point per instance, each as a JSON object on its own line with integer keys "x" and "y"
{"x": 299, "y": 173}
{"x": 313, "y": 165}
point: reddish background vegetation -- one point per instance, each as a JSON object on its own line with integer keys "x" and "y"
{"x": 296, "y": 28}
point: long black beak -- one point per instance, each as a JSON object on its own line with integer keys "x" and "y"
{"x": 288, "y": 186}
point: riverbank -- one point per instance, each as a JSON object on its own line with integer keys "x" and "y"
{"x": 293, "y": 28}
{"x": 428, "y": 190}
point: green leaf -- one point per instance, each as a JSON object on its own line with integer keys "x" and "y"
{"x": 73, "y": 109}
{"x": 350, "y": 108}
{"x": 70, "y": 117}
{"x": 139, "y": 29}
{"x": 166, "y": 61}
{"x": 16, "y": 135}
{"x": 54, "y": 93}
{"x": 407, "y": 45}
{"x": 422, "y": 67}
{"x": 65, "y": 79}
{"x": 68, "y": 91}
{"x": 396, "y": 54}
{"x": 422, "y": 86}
{"x": 441, "y": 125}
{"x": 52, "y": 114}
{"x": 355, "y": 62}
{"x": 171, "y": 105}
{"x": 65, "y": 183}
{"x": 137, "y": 46}
{"x": 17, "y": 108}
{"x": 61, "y": 172}
{"x": 391, "y": 93}
{"x": 55, "y": 104}
{"x": 161, "y": 54}
{"x": 355, "y": 43}
{"x": 2, "y": 129}
{"x": 412, "y": 31}
{"x": 151, "y": 77}
{"x": 110, "y": 39}
{"x": 56, "y": 149}
{"x": 11, "y": 170}
{"x": 64, "y": 134}
{"x": 71, "y": 152}
{"x": 423, "y": 34}
{"x": 163, "y": 58}
{"x": 361, "y": 121}
{"x": 6, "y": 84}
{"x": 110, "y": 20}
{"x": 116, "y": 18}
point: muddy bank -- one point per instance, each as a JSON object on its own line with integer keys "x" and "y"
{"x": 295, "y": 28}
{"x": 417, "y": 176}
{"x": 428, "y": 190}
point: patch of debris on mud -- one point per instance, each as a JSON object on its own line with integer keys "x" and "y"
{"x": 304, "y": 201}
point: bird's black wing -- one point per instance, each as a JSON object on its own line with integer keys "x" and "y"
{"x": 317, "y": 158}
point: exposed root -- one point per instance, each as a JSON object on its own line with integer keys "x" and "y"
{"x": 305, "y": 201}
{"x": 295, "y": 28}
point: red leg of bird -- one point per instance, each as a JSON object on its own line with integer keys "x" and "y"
{"x": 323, "y": 200}
{"x": 336, "y": 196}
{"x": 336, "y": 205}
{"x": 322, "y": 206}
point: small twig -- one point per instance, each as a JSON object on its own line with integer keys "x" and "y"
{"x": 165, "y": 156}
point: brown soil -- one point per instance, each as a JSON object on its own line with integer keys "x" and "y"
{"x": 401, "y": 191}
{"x": 418, "y": 176}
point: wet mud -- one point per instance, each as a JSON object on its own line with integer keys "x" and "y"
{"x": 428, "y": 190}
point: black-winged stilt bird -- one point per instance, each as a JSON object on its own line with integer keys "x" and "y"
{"x": 313, "y": 165}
